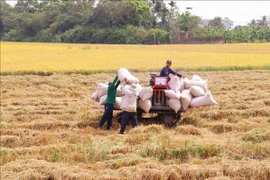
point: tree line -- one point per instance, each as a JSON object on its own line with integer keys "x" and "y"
{"x": 117, "y": 22}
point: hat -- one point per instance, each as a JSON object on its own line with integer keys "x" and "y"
{"x": 133, "y": 86}
{"x": 169, "y": 62}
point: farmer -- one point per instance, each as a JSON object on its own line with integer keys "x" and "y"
{"x": 110, "y": 101}
{"x": 166, "y": 71}
{"x": 129, "y": 106}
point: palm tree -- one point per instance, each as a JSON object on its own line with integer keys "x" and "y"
{"x": 262, "y": 22}
{"x": 252, "y": 23}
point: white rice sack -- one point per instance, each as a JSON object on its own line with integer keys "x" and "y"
{"x": 174, "y": 104}
{"x": 205, "y": 100}
{"x": 118, "y": 103}
{"x": 122, "y": 74}
{"x": 145, "y": 105}
{"x": 185, "y": 99}
{"x": 181, "y": 85}
{"x": 203, "y": 84}
{"x": 119, "y": 91}
{"x": 102, "y": 89}
{"x": 94, "y": 96}
{"x": 196, "y": 91}
{"x": 175, "y": 83}
{"x": 172, "y": 94}
{"x": 102, "y": 100}
{"x": 139, "y": 87}
{"x": 146, "y": 93}
{"x": 196, "y": 77}
{"x": 132, "y": 79}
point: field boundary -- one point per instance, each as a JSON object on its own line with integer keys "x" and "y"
{"x": 89, "y": 72}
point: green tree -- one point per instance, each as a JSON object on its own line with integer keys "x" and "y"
{"x": 121, "y": 13}
{"x": 252, "y": 23}
{"x": 6, "y": 18}
{"x": 252, "y": 33}
{"x": 227, "y": 23}
{"x": 69, "y": 15}
{"x": 267, "y": 34}
{"x": 168, "y": 16}
{"x": 216, "y": 23}
{"x": 30, "y": 6}
{"x": 262, "y": 22}
{"x": 188, "y": 23}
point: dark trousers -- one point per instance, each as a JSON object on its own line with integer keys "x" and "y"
{"x": 125, "y": 117}
{"x": 108, "y": 115}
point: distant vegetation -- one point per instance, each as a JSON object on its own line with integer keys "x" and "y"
{"x": 117, "y": 22}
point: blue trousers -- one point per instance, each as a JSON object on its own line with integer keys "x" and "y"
{"x": 125, "y": 117}
{"x": 108, "y": 115}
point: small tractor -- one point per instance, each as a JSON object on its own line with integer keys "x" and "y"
{"x": 160, "y": 109}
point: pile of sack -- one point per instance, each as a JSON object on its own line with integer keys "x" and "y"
{"x": 125, "y": 92}
{"x": 182, "y": 93}
{"x": 188, "y": 93}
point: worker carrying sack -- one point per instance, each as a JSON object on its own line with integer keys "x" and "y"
{"x": 129, "y": 101}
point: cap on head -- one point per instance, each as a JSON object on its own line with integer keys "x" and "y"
{"x": 133, "y": 86}
{"x": 169, "y": 62}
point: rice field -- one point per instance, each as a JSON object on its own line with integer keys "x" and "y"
{"x": 35, "y": 58}
{"x": 48, "y": 131}
{"x": 48, "y": 123}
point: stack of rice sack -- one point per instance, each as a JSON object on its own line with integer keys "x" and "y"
{"x": 182, "y": 93}
{"x": 196, "y": 93}
{"x": 100, "y": 95}
{"x": 145, "y": 96}
{"x": 185, "y": 93}
{"x": 145, "y": 93}
{"x": 174, "y": 93}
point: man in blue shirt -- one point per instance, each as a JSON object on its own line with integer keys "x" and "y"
{"x": 166, "y": 71}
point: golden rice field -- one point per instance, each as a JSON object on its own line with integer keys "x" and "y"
{"x": 48, "y": 132}
{"x": 48, "y": 123}
{"x": 27, "y": 58}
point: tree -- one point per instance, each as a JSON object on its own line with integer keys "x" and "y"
{"x": 227, "y": 23}
{"x": 169, "y": 16}
{"x": 121, "y": 13}
{"x": 30, "y": 6}
{"x": 7, "y": 17}
{"x": 158, "y": 9}
{"x": 216, "y": 23}
{"x": 252, "y": 34}
{"x": 188, "y": 23}
{"x": 262, "y": 22}
{"x": 69, "y": 15}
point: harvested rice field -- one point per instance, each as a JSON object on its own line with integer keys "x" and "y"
{"x": 48, "y": 124}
